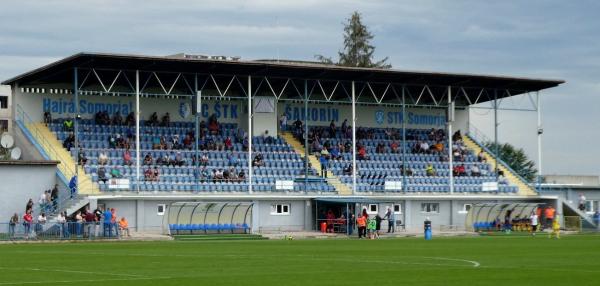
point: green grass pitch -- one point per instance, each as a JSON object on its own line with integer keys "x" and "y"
{"x": 512, "y": 260}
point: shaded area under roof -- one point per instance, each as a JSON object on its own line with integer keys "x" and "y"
{"x": 61, "y": 72}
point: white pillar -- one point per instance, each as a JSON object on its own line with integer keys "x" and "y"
{"x": 540, "y": 131}
{"x": 137, "y": 129}
{"x": 450, "y": 158}
{"x": 250, "y": 135}
{"x": 353, "y": 139}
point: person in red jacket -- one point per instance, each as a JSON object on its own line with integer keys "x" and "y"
{"x": 27, "y": 221}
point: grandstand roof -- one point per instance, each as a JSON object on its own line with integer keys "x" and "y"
{"x": 61, "y": 72}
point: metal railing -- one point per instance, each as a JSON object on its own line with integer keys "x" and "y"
{"x": 68, "y": 171}
{"x": 61, "y": 231}
{"x": 480, "y": 139}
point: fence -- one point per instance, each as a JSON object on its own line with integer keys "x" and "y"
{"x": 60, "y": 231}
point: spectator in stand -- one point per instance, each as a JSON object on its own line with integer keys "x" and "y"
{"x": 268, "y": 139}
{"x": 116, "y": 173}
{"x": 82, "y": 158}
{"x": 156, "y": 174}
{"x": 475, "y": 171}
{"x": 335, "y": 153}
{"x": 429, "y": 170}
{"x": 424, "y": 147}
{"x": 148, "y": 160}
{"x": 166, "y": 120}
{"x": 179, "y": 160}
{"x": 324, "y": 165}
{"x": 332, "y": 129}
{"x": 362, "y": 153}
{"x": 124, "y": 227}
{"x": 41, "y": 221}
{"x": 102, "y": 158}
{"x": 42, "y": 200}
{"x": 409, "y": 171}
{"x": 130, "y": 120}
{"x": 117, "y": 119}
{"x": 226, "y": 175}
{"x": 348, "y": 170}
{"x": 437, "y": 148}
{"x": 153, "y": 121}
{"x": 217, "y": 175}
{"x": 204, "y": 160}
{"x": 102, "y": 174}
{"x": 29, "y": 205}
{"x": 54, "y": 197}
{"x": 283, "y": 122}
{"x": 113, "y": 221}
{"x": 112, "y": 141}
{"x": 394, "y": 147}
{"x": 69, "y": 142}
{"x": 47, "y": 120}
{"x": 127, "y": 158}
{"x": 149, "y": 175}
{"x": 380, "y": 149}
{"x": 241, "y": 176}
{"x": 481, "y": 157}
{"x": 68, "y": 125}
{"x": 582, "y": 202}
{"x": 213, "y": 125}
{"x": 90, "y": 219}
{"x": 502, "y": 180}
{"x": 228, "y": 144}
{"x": 258, "y": 160}
{"x": 457, "y": 136}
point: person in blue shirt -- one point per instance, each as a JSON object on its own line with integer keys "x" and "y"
{"x": 107, "y": 222}
{"x": 324, "y": 165}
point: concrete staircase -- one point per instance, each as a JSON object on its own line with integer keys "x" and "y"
{"x": 341, "y": 188}
{"x": 524, "y": 188}
{"x": 54, "y": 149}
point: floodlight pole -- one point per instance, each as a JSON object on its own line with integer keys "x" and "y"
{"x": 76, "y": 125}
{"x": 249, "y": 134}
{"x": 540, "y": 131}
{"x": 353, "y": 138}
{"x": 137, "y": 129}
{"x": 450, "y": 155}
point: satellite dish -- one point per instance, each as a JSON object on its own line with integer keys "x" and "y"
{"x": 15, "y": 153}
{"x": 7, "y": 141}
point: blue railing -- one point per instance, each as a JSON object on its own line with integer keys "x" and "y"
{"x": 480, "y": 138}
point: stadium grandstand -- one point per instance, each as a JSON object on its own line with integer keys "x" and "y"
{"x": 196, "y": 143}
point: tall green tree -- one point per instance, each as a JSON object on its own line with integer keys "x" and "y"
{"x": 358, "y": 51}
{"x": 516, "y": 160}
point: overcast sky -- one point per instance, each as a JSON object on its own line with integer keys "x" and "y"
{"x": 545, "y": 39}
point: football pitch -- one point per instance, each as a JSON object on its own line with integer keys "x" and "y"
{"x": 499, "y": 260}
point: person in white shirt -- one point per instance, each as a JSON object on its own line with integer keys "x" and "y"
{"x": 582, "y": 200}
{"x": 534, "y": 222}
{"x": 102, "y": 158}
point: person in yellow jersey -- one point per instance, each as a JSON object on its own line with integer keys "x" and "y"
{"x": 555, "y": 227}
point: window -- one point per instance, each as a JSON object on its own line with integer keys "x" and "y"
{"x": 430, "y": 208}
{"x": 280, "y": 209}
{"x": 465, "y": 209}
{"x": 591, "y": 206}
{"x": 160, "y": 209}
{"x": 3, "y": 101}
{"x": 373, "y": 208}
{"x": 397, "y": 209}
{"x": 3, "y": 125}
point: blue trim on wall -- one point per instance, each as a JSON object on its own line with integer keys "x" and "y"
{"x": 37, "y": 146}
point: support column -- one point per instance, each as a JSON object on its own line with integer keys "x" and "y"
{"x": 250, "y": 143}
{"x": 353, "y": 138}
{"x": 137, "y": 129}
{"x": 306, "y": 153}
{"x": 404, "y": 163}
{"x": 198, "y": 104}
{"x": 76, "y": 126}
{"x": 450, "y": 155}
{"x": 496, "y": 131}
{"x": 540, "y": 131}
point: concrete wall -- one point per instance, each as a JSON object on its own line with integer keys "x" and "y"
{"x": 6, "y": 113}
{"x": 19, "y": 183}
{"x": 295, "y": 221}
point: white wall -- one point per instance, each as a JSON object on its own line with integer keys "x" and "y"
{"x": 15, "y": 190}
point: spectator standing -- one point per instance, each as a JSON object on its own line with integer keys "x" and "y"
{"x": 14, "y": 220}
{"x": 595, "y": 217}
{"x": 389, "y": 214}
{"x": 27, "y": 221}
{"x": 107, "y": 226}
{"x": 29, "y": 206}
{"x": 582, "y": 202}
{"x": 351, "y": 223}
{"x": 283, "y": 122}
{"x": 378, "y": 220}
{"x": 54, "y": 197}
{"x": 324, "y": 164}
{"x": 62, "y": 221}
{"x": 361, "y": 222}
{"x": 98, "y": 213}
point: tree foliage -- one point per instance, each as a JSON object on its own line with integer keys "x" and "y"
{"x": 516, "y": 160}
{"x": 357, "y": 51}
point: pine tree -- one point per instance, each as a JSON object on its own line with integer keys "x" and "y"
{"x": 358, "y": 51}
{"x": 516, "y": 159}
